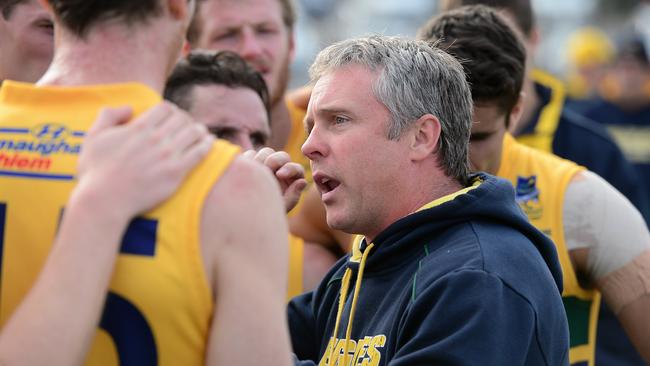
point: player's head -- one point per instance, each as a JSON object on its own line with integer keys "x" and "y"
{"x": 26, "y": 40}
{"x": 374, "y": 132}
{"x": 493, "y": 58}
{"x": 520, "y": 11}
{"x": 260, "y": 31}
{"x": 628, "y": 78}
{"x": 163, "y": 21}
{"x": 220, "y": 90}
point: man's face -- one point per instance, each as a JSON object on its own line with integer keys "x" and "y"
{"x": 26, "y": 42}
{"x": 355, "y": 166}
{"x": 233, "y": 114}
{"x": 253, "y": 29}
{"x": 631, "y": 77}
{"x": 486, "y": 141}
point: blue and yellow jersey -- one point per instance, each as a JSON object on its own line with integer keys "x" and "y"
{"x": 556, "y": 129}
{"x": 540, "y": 181}
{"x": 159, "y": 306}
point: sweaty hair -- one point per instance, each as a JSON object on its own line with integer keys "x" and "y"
{"x": 80, "y": 15}
{"x": 7, "y": 6}
{"x": 196, "y": 27}
{"x": 521, "y": 10}
{"x": 413, "y": 78}
{"x": 490, "y": 51}
{"x": 213, "y": 68}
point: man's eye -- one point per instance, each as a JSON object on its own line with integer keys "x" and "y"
{"x": 258, "y": 141}
{"x": 224, "y": 36}
{"x": 339, "y": 120}
{"x": 266, "y": 31}
{"x": 224, "y": 134}
{"x": 46, "y": 25}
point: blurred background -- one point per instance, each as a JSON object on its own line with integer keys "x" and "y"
{"x": 575, "y": 33}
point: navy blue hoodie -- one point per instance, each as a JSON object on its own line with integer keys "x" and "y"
{"x": 465, "y": 282}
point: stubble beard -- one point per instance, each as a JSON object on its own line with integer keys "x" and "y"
{"x": 277, "y": 94}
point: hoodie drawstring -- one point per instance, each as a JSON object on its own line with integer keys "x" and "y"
{"x": 345, "y": 286}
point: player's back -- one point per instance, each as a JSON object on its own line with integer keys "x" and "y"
{"x": 541, "y": 180}
{"x": 160, "y": 305}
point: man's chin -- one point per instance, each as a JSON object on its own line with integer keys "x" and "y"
{"x": 337, "y": 223}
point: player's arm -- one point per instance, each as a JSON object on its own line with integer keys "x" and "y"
{"x": 56, "y": 321}
{"x": 610, "y": 244}
{"x": 244, "y": 238}
{"x": 290, "y": 175}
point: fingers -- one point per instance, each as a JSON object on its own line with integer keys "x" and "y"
{"x": 109, "y": 117}
{"x": 290, "y": 171}
{"x": 188, "y": 136}
{"x": 274, "y": 160}
{"x": 260, "y": 156}
{"x": 153, "y": 117}
{"x": 249, "y": 154}
{"x": 177, "y": 122}
{"x": 292, "y": 194}
{"x": 195, "y": 153}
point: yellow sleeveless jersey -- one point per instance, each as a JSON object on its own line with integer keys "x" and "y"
{"x": 296, "y": 263}
{"x": 549, "y": 117}
{"x": 159, "y": 306}
{"x": 297, "y": 137}
{"x": 540, "y": 180}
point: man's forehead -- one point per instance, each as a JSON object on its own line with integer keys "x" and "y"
{"x": 231, "y": 10}
{"x": 352, "y": 76}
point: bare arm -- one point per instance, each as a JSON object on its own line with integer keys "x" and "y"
{"x": 290, "y": 175}
{"x": 244, "y": 238}
{"x": 610, "y": 244}
{"x": 69, "y": 294}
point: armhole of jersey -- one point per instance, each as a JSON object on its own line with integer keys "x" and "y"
{"x": 582, "y": 305}
{"x": 200, "y": 184}
{"x": 571, "y": 278}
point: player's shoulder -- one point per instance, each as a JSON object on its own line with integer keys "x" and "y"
{"x": 243, "y": 179}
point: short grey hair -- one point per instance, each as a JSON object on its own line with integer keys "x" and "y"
{"x": 414, "y": 78}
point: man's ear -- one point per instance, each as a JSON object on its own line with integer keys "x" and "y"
{"x": 179, "y": 9}
{"x": 424, "y": 137}
{"x": 516, "y": 112}
{"x": 45, "y": 4}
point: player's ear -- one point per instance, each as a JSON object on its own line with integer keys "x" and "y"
{"x": 179, "y": 9}
{"x": 424, "y": 137}
{"x": 516, "y": 112}
{"x": 45, "y": 4}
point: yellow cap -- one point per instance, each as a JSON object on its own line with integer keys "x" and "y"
{"x": 590, "y": 46}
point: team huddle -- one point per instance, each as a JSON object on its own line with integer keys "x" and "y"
{"x": 164, "y": 200}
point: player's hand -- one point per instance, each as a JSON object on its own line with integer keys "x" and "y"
{"x": 290, "y": 175}
{"x": 134, "y": 166}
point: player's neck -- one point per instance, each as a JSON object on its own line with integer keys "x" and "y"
{"x": 281, "y": 125}
{"x": 417, "y": 191}
{"x": 108, "y": 57}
